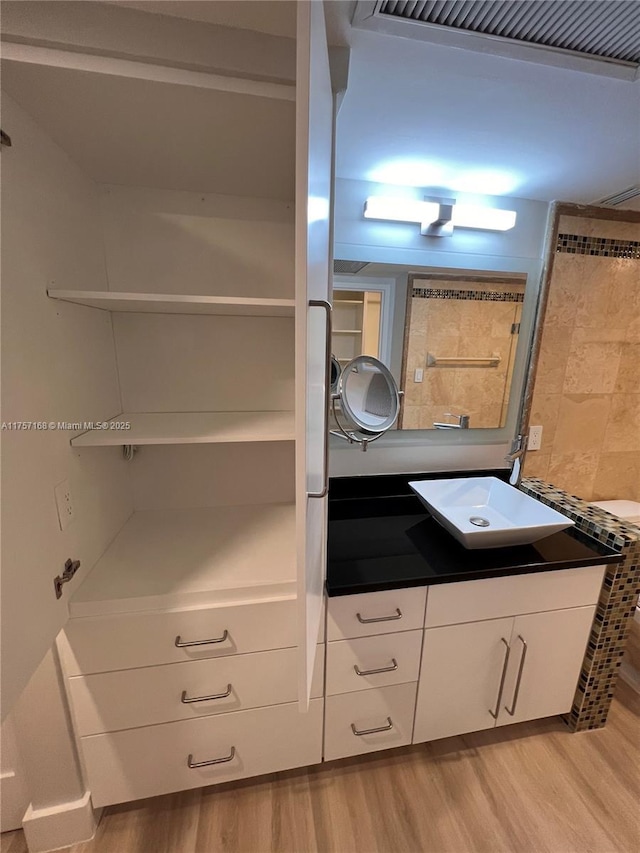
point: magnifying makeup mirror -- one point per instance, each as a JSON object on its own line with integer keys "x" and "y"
{"x": 369, "y": 401}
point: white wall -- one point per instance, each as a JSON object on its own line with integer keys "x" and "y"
{"x": 58, "y": 365}
{"x": 162, "y": 241}
{"x": 14, "y": 797}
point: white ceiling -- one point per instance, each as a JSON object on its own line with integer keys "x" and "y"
{"x": 434, "y": 116}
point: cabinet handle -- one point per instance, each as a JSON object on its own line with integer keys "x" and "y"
{"x": 322, "y": 303}
{"x": 512, "y": 711}
{"x": 494, "y": 714}
{"x": 187, "y": 700}
{"x": 396, "y": 615}
{"x": 392, "y": 668}
{"x": 361, "y": 732}
{"x": 182, "y": 645}
{"x": 193, "y": 764}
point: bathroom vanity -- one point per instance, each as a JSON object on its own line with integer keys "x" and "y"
{"x": 424, "y": 639}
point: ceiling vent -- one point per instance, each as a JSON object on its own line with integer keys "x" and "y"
{"x": 607, "y": 31}
{"x": 625, "y": 198}
{"x": 348, "y": 267}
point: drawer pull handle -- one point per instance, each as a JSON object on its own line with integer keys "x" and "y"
{"x": 182, "y": 645}
{"x": 392, "y": 668}
{"x": 193, "y": 764}
{"x": 511, "y": 711}
{"x": 396, "y": 615}
{"x": 359, "y": 733}
{"x": 505, "y": 664}
{"x": 188, "y": 700}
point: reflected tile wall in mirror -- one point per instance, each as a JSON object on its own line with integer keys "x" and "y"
{"x": 412, "y": 316}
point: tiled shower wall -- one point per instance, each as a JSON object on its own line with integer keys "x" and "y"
{"x": 462, "y": 320}
{"x": 587, "y": 388}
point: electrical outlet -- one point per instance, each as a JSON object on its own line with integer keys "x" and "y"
{"x": 419, "y": 373}
{"x": 64, "y": 504}
{"x": 535, "y": 438}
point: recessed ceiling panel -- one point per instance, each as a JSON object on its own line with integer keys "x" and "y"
{"x": 607, "y": 29}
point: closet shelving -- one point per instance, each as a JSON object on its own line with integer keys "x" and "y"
{"x": 181, "y": 558}
{"x": 190, "y": 428}
{"x": 217, "y": 208}
{"x": 172, "y": 303}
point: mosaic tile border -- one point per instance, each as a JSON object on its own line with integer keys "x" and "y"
{"x": 473, "y": 295}
{"x": 602, "y": 246}
{"x": 615, "y": 609}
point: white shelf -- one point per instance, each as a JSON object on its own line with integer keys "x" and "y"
{"x": 171, "y": 303}
{"x": 192, "y": 428}
{"x": 180, "y": 558}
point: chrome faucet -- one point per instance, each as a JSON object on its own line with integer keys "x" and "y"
{"x": 463, "y": 422}
{"x": 516, "y": 458}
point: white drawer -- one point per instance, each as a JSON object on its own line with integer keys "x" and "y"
{"x": 493, "y": 598}
{"x": 145, "y": 762}
{"x": 389, "y": 709}
{"x": 380, "y": 661}
{"x": 375, "y": 613}
{"x": 109, "y": 701}
{"x": 126, "y": 640}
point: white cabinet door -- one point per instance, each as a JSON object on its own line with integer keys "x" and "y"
{"x": 461, "y": 678}
{"x": 314, "y": 138}
{"x": 547, "y": 650}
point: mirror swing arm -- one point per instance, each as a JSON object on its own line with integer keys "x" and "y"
{"x": 351, "y": 437}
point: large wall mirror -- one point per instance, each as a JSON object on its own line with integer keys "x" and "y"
{"x": 449, "y": 337}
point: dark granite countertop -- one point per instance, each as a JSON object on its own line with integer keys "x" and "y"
{"x": 382, "y": 537}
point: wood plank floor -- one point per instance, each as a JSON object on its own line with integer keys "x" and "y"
{"x": 528, "y": 788}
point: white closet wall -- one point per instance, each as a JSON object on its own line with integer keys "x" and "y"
{"x": 62, "y": 367}
{"x": 164, "y": 241}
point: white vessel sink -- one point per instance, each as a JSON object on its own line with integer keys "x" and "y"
{"x": 484, "y": 512}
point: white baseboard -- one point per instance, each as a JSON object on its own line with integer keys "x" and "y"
{"x": 60, "y": 826}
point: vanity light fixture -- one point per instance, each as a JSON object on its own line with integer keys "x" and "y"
{"x": 439, "y": 218}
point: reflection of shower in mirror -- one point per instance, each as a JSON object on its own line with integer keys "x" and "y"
{"x": 448, "y": 336}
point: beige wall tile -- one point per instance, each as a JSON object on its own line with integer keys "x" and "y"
{"x": 598, "y": 334}
{"x": 554, "y": 353}
{"x": 439, "y": 386}
{"x": 624, "y": 291}
{"x": 594, "y": 290}
{"x": 628, "y": 378}
{"x": 592, "y": 368}
{"x": 582, "y": 422}
{"x": 536, "y": 464}
{"x": 623, "y": 428}
{"x": 411, "y": 417}
{"x": 618, "y": 477}
{"x": 544, "y": 412}
{"x": 564, "y": 290}
{"x": 574, "y": 472}
{"x": 587, "y": 393}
